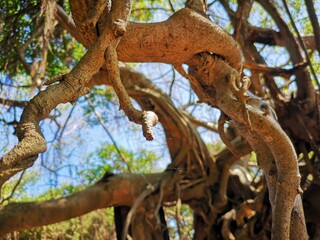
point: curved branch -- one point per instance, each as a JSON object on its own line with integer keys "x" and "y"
{"x": 175, "y": 40}
{"x": 183, "y": 140}
{"x": 286, "y": 161}
{"x": 257, "y": 122}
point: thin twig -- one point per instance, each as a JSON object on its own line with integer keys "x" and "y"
{"x": 56, "y": 137}
{"x": 171, "y": 6}
{"x": 67, "y": 120}
{"x": 178, "y": 210}
{"x": 275, "y": 71}
{"x": 14, "y": 188}
{"x": 172, "y": 82}
{"x": 301, "y": 42}
{"x": 314, "y": 22}
{"x": 13, "y": 103}
{"x": 198, "y": 123}
{"x": 156, "y": 211}
{"x": 109, "y": 134}
{"x": 149, "y": 189}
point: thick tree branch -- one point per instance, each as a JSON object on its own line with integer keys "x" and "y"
{"x": 121, "y": 190}
{"x": 176, "y": 134}
{"x": 257, "y": 122}
{"x": 175, "y": 41}
{"x": 172, "y": 41}
{"x": 143, "y": 46}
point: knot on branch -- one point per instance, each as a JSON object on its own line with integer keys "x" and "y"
{"x": 58, "y": 78}
{"x": 149, "y": 119}
{"x": 238, "y": 86}
{"x": 82, "y": 91}
{"x": 28, "y": 129}
{"x": 94, "y": 14}
{"x": 118, "y": 27}
{"x": 197, "y": 5}
{"x": 261, "y": 104}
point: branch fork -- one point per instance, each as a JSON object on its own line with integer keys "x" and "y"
{"x": 115, "y": 24}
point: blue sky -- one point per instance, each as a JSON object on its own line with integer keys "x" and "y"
{"x": 81, "y": 139}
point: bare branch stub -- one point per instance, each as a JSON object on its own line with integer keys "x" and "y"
{"x": 116, "y": 23}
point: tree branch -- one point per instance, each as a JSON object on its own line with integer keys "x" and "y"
{"x": 68, "y": 24}
{"x": 274, "y": 71}
{"x": 305, "y": 91}
{"x": 315, "y": 23}
{"x": 257, "y": 122}
{"x": 112, "y": 190}
{"x": 301, "y": 42}
{"x": 150, "y": 42}
{"x": 13, "y": 103}
{"x": 274, "y": 38}
{"x": 151, "y": 48}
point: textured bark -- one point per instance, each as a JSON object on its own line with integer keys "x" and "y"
{"x": 194, "y": 176}
{"x": 167, "y": 44}
{"x": 115, "y": 190}
{"x": 257, "y": 122}
{"x": 175, "y": 40}
{"x": 120, "y": 189}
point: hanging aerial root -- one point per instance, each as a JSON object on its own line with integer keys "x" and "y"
{"x": 194, "y": 83}
{"x": 239, "y": 88}
{"x": 232, "y": 98}
{"x": 224, "y": 139}
{"x": 147, "y": 119}
{"x": 145, "y": 193}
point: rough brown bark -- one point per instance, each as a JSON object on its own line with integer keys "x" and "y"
{"x": 257, "y": 122}
{"x": 214, "y": 63}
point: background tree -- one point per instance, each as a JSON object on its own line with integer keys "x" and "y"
{"x": 229, "y": 198}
